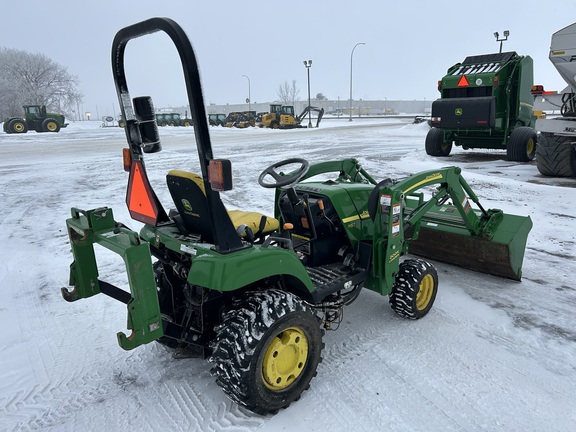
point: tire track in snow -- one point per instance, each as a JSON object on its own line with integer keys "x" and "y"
{"x": 185, "y": 403}
{"x": 192, "y": 397}
{"x": 47, "y": 405}
{"x": 56, "y": 390}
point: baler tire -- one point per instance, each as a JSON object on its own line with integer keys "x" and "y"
{"x": 555, "y": 156}
{"x": 435, "y": 144}
{"x": 267, "y": 350}
{"x": 415, "y": 289}
{"x": 522, "y": 144}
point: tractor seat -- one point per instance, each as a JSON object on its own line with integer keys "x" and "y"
{"x": 189, "y": 196}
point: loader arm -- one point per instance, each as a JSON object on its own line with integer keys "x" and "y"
{"x": 451, "y": 185}
{"x": 320, "y": 112}
{"x": 484, "y": 240}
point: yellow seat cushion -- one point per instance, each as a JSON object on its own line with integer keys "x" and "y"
{"x": 252, "y": 220}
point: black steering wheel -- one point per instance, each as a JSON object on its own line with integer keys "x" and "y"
{"x": 281, "y": 179}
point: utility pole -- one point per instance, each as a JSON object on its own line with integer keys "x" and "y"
{"x": 308, "y": 63}
{"x": 351, "y": 56}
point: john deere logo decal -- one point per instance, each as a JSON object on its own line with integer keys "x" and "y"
{"x": 187, "y": 205}
{"x": 458, "y": 111}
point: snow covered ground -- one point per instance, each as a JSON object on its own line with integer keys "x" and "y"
{"x": 492, "y": 355}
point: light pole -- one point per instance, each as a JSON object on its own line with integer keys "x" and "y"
{"x": 249, "y": 100}
{"x": 506, "y": 34}
{"x": 351, "y": 56}
{"x": 308, "y": 63}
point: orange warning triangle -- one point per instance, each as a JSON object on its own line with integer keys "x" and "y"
{"x": 463, "y": 82}
{"x": 139, "y": 195}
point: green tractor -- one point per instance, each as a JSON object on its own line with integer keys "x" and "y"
{"x": 217, "y": 119}
{"x": 486, "y": 102}
{"x": 172, "y": 119}
{"x": 35, "y": 118}
{"x": 255, "y": 294}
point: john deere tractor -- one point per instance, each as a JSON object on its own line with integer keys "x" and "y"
{"x": 252, "y": 293}
{"x": 217, "y": 119}
{"x": 35, "y": 118}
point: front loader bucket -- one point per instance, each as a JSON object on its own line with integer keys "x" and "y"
{"x": 443, "y": 237}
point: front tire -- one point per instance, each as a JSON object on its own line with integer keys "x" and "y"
{"x": 521, "y": 145}
{"x": 267, "y": 350}
{"x": 50, "y": 125}
{"x": 415, "y": 289}
{"x": 435, "y": 144}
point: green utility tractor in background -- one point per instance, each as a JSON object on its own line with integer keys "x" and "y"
{"x": 172, "y": 119}
{"x": 254, "y": 294}
{"x": 485, "y": 102}
{"x": 35, "y": 118}
{"x": 217, "y": 119}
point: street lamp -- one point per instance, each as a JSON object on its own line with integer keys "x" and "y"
{"x": 248, "y": 100}
{"x": 351, "y": 56}
{"x": 308, "y": 63}
{"x": 506, "y": 34}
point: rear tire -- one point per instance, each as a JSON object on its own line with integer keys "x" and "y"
{"x": 435, "y": 144}
{"x": 17, "y": 126}
{"x": 522, "y": 144}
{"x": 267, "y": 350}
{"x": 555, "y": 156}
{"x": 415, "y": 289}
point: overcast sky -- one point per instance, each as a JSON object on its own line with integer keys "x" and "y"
{"x": 409, "y": 45}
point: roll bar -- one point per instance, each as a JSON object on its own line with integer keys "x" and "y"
{"x": 225, "y": 237}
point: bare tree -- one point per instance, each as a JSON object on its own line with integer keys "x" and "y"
{"x": 288, "y": 94}
{"x": 9, "y": 99}
{"x": 35, "y": 79}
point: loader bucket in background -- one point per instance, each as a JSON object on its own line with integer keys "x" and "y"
{"x": 443, "y": 237}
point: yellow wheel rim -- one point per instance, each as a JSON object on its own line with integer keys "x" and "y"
{"x": 51, "y": 126}
{"x": 425, "y": 292}
{"x": 19, "y": 127}
{"x": 530, "y": 147}
{"x": 285, "y": 359}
